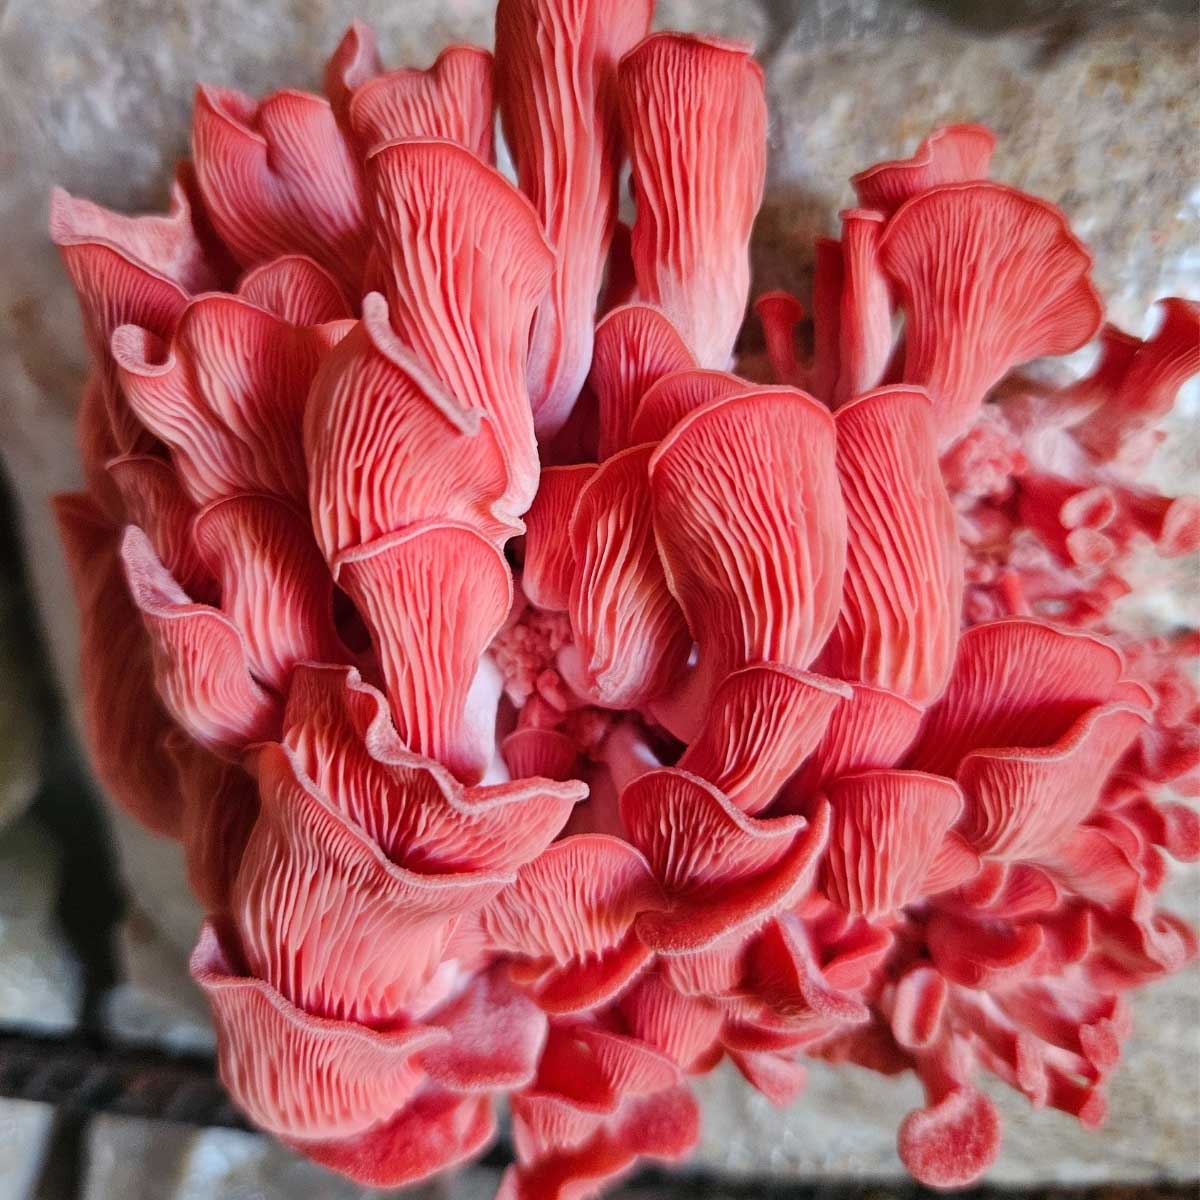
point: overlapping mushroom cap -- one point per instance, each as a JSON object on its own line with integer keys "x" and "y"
{"x": 547, "y": 711}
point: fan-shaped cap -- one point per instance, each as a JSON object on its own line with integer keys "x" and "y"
{"x": 546, "y": 1123}
{"x": 153, "y": 499}
{"x": 485, "y": 265}
{"x": 1147, "y": 386}
{"x": 1016, "y": 682}
{"x": 955, "y": 863}
{"x": 584, "y": 1075}
{"x": 556, "y": 79}
{"x": 800, "y": 1001}
{"x": 497, "y": 1037}
{"x": 433, "y": 597}
{"x": 902, "y": 598}
{"x": 989, "y": 278}
{"x": 685, "y": 1029}
{"x": 764, "y": 720}
{"x": 721, "y": 870}
{"x": 278, "y": 178}
{"x": 354, "y": 60}
{"x": 201, "y": 665}
{"x": 663, "y": 1126}
{"x": 1025, "y": 803}
{"x": 452, "y": 99}
{"x": 666, "y": 402}
{"x": 274, "y": 585}
{"x": 226, "y": 394}
{"x": 979, "y": 952}
{"x": 435, "y": 1131}
{"x": 1174, "y": 826}
{"x": 1101, "y": 863}
{"x": 550, "y": 565}
{"x": 630, "y": 634}
{"x": 871, "y": 729}
{"x": 1009, "y": 890}
{"x": 750, "y": 525}
{"x": 1116, "y": 351}
{"x": 388, "y": 447}
{"x": 635, "y": 347}
{"x": 951, "y": 154}
{"x": 570, "y": 918}
{"x": 780, "y": 1078}
{"x": 690, "y": 239}
{"x": 113, "y": 287}
{"x": 886, "y": 830}
{"x": 296, "y": 1075}
{"x": 542, "y": 752}
{"x": 165, "y": 245}
{"x": 718, "y": 971}
{"x": 297, "y": 290}
{"x": 412, "y": 807}
{"x": 951, "y": 1142}
{"x": 326, "y": 919}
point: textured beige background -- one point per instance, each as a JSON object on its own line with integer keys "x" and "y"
{"x": 1097, "y": 107}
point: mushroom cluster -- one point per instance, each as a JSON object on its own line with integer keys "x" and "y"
{"x": 551, "y": 702}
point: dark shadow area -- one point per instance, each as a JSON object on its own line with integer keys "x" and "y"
{"x": 90, "y": 901}
{"x": 1006, "y": 16}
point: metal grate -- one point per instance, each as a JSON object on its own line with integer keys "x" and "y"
{"x": 83, "y": 1076}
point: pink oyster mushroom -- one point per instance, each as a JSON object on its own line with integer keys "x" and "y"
{"x": 550, "y": 703}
